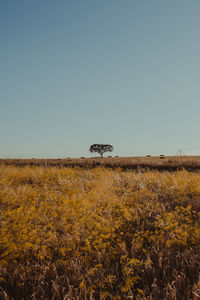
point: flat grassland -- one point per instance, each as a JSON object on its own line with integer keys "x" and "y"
{"x": 72, "y": 233}
{"x": 170, "y": 163}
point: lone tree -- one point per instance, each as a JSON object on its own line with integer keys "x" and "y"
{"x": 101, "y": 148}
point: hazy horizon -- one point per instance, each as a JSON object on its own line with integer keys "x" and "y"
{"x": 75, "y": 73}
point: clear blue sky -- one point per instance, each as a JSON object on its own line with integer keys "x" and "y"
{"x": 74, "y": 73}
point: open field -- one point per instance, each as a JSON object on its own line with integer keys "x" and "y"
{"x": 170, "y": 163}
{"x": 71, "y": 233}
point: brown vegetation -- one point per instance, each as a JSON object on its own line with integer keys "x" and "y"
{"x": 168, "y": 163}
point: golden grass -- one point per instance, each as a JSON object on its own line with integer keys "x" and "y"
{"x": 70, "y": 233}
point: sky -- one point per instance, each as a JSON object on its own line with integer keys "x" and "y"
{"x": 74, "y": 73}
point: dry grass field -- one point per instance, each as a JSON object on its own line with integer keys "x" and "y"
{"x": 75, "y": 233}
{"x": 170, "y": 163}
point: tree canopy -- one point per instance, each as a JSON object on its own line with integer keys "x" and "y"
{"x": 101, "y": 148}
